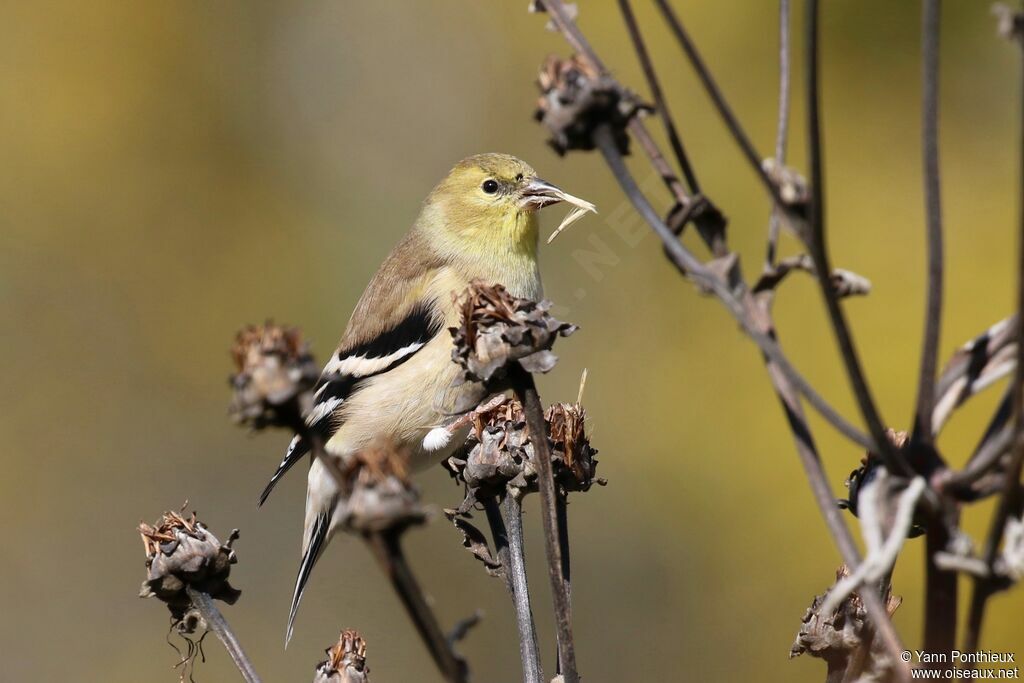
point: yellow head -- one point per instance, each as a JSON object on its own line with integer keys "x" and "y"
{"x": 488, "y": 202}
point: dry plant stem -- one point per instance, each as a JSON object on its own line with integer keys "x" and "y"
{"x": 526, "y": 391}
{"x": 781, "y": 133}
{"x": 218, "y": 624}
{"x": 387, "y": 548}
{"x": 689, "y": 203}
{"x": 659, "y": 98}
{"x": 759, "y": 328}
{"x": 508, "y": 542}
{"x": 933, "y": 212}
{"x": 940, "y": 612}
{"x": 562, "y": 514}
{"x": 940, "y": 608}
{"x": 724, "y": 111}
{"x": 819, "y": 253}
{"x": 1010, "y": 500}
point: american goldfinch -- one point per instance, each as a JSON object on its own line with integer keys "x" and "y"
{"x": 392, "y": 375}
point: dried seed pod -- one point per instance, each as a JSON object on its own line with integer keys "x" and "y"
{"x": 497, "y": 328}
{"x": 274, "y": 368}
{"x": 571, "y": 453}
{"x": 181, "y": 552}
{"x": 576, "y": 98}
{"x": 499, "y": 456}
{"x": 836, "y": 637}
{"x": 379, "y": 494}
{"x": 346, "y": 661}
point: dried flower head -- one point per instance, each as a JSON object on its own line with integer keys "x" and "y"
{"x": 380, "y": 495}
{"x": 571, "y": 453}
{"x": 575, "y": 98}
{"x": 346, "y": 661}
{"x": 273, "y": 368}
{"x": 836, "y": 637}
{"x": 181, "y": 552}
{"x": 497, "y": 329}
{"x": 499, "y": 454}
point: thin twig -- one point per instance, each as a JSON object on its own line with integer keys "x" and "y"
{"x": 387, "y": 548}
{"x": 562, "y": 513}
{"x": 508, "y": 541}
{"x": 696, "y": 207}
{"x": 218, "y": 624}
{"x": 933, "y": 213}
{"x": 717, "y": 98}
{"x": 819, "y": 252}
{"x": 782, "y": 130}
{"x": 651, "y": 75}
{"x": 940, "y": 610}
{"x": 526, "y": 391}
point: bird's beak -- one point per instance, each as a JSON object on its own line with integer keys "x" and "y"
{"x": 539, "y": 193}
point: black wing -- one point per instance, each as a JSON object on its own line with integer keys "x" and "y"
{"x": 348, "y": 369}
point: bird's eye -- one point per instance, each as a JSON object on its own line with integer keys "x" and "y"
{"x": 519, "y": 177}
{"x": 490, "y": 186}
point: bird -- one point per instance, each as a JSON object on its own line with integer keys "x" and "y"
{"x": 392, "y": 374}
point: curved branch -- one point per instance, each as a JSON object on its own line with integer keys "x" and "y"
{"x": 933, "y": 213}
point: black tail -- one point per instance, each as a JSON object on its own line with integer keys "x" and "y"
{"x": 296, "y": 449}
{"x": 317, "y": 542}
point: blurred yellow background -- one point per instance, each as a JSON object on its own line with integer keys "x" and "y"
{"x": 174, "y": 170}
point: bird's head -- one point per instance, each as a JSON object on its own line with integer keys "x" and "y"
{"x": 493, "y": 198}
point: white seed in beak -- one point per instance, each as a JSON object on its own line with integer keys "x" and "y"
{"x": 540, "y": 193}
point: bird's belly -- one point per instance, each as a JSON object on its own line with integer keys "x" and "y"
{"x": 405, "y": 403}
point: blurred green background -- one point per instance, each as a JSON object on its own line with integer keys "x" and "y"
{"x": 174, "y": 170}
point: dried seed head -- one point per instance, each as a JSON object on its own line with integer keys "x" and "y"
{"x": 835, "y": 637}
{"x": 575, "y": 98}
{"x": 346, "y": 661}
{"x": 181, "y": 552}
{"x": 499, "y": 454}
{"x": 273, "y": 368}
{"x": 572, "y": 456}
{"x": 380, "y": 495}
{"x": 497, "y": 329}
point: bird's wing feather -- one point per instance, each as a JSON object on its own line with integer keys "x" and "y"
{"x": 393, "y": 320}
